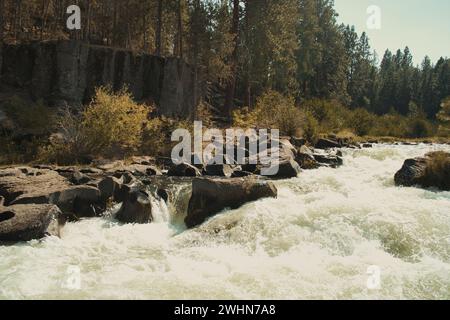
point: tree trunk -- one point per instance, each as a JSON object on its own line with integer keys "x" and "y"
{"x": 180, "y": 29}
{"x": 231, "y": 87}
{"x": 158, "y": 29}
{"x": 87, "y": 34}
{"x": 2, "y": 10}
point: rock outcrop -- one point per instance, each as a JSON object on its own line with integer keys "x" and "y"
{"x": 28, "y": 222}
{"x": 432, "y": 170}
{"x": 210, "y": 196}
{"x": 67, "y": 72}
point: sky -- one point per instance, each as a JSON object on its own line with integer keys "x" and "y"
{"x": 422, "y": 25}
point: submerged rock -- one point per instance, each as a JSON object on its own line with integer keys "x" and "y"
{"x": 210, "y": 196}
{"x": 28, "y": 222}
{"x": 432, "y": 170}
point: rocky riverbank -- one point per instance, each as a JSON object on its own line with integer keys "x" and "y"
{"x": 38, "y": 200}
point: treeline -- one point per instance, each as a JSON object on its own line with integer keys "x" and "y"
{"x": 242, "y": 48}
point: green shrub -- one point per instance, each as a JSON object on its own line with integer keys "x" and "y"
{"x": 361, "y": 121}
{"x": 311, "y": 128}
{"x": 272, "y": 111}
{"x": 419, "y": 128}
{"x": 113, "y": 122}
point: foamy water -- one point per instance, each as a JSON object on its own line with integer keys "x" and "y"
{"x": 317, "y": 240}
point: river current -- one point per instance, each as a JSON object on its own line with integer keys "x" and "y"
{"x": 344, "y": 233}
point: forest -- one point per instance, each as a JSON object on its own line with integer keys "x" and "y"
{"x": 290, "y": 54}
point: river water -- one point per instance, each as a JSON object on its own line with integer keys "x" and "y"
{"x": 318, "y": 240}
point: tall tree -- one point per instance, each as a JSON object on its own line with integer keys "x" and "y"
{"x": 231, "y": 87}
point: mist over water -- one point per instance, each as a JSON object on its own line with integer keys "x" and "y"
{"x": 315, "y": 241}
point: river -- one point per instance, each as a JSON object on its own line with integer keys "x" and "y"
{"x": 318, "y": 240}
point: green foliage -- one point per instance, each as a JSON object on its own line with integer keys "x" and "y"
{"x": 113, "y": 121}
{"x": 112, "y": 125}
{"x": 311, "y": 128}
{"x": 361, "y": 121}
{"x": 29, "y": 117}
{"x": 273, "y": 111}
{"x": 444, "y": 117}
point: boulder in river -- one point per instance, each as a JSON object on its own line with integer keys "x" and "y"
{"x": 432, "y": 170}
{"x": 305, "y": 158}
{"x": 136, "y": 207}
{"x": 28, "y": 222}
{"x": 210, "y": 196}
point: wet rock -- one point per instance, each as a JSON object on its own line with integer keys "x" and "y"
{"x": 28, "y": 222}
{"x": 298, "y": 142}
{"x": 163, "y": 194}
{"x": 329, "y": 159}
{"x": 305, "y": 158}
{"x": 79, "y": 178}
{"x": 136, "y": 207}
{"x": 218, "y": 170}
{"x": 287, "y": 169}
{"x": 109, "y": 188}
{"x": 327, "y": 144}
{"x": 241, "y": 174}
{"x": 210, "y": 196}
{"x": 367, "y": 145}
{"x": 183, "y": 170}
{"x": 79, "y": 201}
{"x": 432, "y": 170}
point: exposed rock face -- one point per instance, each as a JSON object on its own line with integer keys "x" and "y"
{"x": 28, "y": 222}
{"x": 136, "y": 207}
{"x": 67, "y": 72}
{"x": 210, "y": 196}
{"x": 432, "y": 170}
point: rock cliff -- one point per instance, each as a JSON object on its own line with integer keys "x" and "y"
{"x": 67, "y": 72}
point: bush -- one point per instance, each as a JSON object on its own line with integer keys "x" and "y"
{"x": 272, "y": 111}
{"x": 331, "y": 114}
{"x": 361, "y": 121}
{"x": 311, "y": 128}
{"x": 419, "y": 128}
{"x": 157, "y": 135}
{"x": 113, "y": 123}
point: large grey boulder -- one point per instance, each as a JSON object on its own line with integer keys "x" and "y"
{"x": 210, "y": 196}
{"x": 28, "y": 222}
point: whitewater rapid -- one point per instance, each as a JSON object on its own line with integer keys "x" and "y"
{"x": 316, "y": 241}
